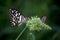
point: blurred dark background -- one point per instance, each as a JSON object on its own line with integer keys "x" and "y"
{"x": 48, "y": 8}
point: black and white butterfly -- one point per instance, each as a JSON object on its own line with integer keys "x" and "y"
{"x": 16, "y": 18}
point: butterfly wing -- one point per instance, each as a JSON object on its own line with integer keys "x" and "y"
{"x": 16, "y": 18}
{"x": 43, "y": 19}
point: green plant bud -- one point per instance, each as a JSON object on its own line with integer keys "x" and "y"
{"x": 34, "y": 23}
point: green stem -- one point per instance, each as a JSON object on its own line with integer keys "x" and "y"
{"x": 21, "y": 33}
{"x": 32, "y": 36}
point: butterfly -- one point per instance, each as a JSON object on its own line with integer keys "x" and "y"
{"x": 16, "y": 18}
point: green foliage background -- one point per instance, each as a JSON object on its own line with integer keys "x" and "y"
{"x": 48, "y": 8}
